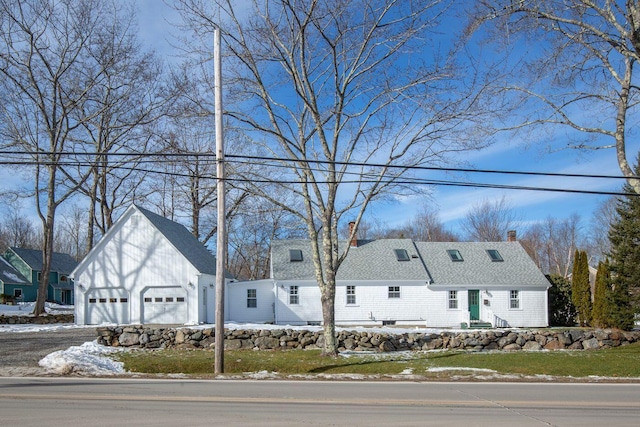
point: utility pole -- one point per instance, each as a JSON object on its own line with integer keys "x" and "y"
{"x": 221, "y": 246}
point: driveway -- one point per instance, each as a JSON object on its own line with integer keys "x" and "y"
{"x": 20, "y": 352}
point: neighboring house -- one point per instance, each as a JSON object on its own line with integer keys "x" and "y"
{"x": 398, "y": 281}
{"x": 146, "y": 269}
{"x": 12, "y": 283}
{"x": 28, "y": 262}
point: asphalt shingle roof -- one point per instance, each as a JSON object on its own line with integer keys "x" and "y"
{"x": 9, "y": 275}
{"x": 61, "y": 263}
{"x": 429, "y": 261}
{"x": 370, "y": 260}
{"x": 185, "y": 242}
{"x": 477, "y": 267}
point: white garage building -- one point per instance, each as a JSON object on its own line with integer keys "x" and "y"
{"x": 146, "y": 269}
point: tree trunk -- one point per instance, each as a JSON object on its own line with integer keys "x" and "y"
{"x": 328, "y": 299}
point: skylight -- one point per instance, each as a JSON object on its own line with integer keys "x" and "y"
{"x": 455, "y": 255}
{"x": 494, "y": 255}
{"x": 295, "y": 255}
{"x": 401, "y": 254}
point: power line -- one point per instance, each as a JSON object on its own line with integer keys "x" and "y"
{"x": 365, "y": 178}
{"x": 308, "y": 161}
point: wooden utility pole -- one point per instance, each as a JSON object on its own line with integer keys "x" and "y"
{"x": 221, "y": 246}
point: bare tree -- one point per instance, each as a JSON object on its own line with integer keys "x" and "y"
{"x": 71, "y": 234}
{"x": 17, "y": 231}
{"x": 346, "y": 97}
{"x": 489, "y": 221}
{"x": 251, "y": 233}
{"x": 580, "y": 75}
{"x": 601, "y": 221}
{"x": 123, "y": 106}
{"x": 427, "y": 226}
{"x": 552, "y": 244}
{"x": 48, "y": 72}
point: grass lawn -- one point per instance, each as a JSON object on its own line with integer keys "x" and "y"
{"x": 620, "y": 362}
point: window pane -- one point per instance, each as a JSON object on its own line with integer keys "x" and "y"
{"x": 455, "y": 255}
{"x": 453, "y": 299}
{"x": 494, "y": 255}
{"x": 394, "y": 291}
{"x": 295, "y": 255}
{"x": 401, "y": 254}
{"x": 351, "y": 294}
{"x": 293, "y": 295}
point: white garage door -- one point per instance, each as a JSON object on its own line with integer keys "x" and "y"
{"x": 164, "y": 305}
{"x": 107, "y": 306}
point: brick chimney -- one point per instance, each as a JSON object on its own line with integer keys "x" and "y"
{"x": 511, "y": 236}
{"x": 354, "y": 239}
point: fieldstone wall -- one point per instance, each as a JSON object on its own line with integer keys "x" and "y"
{"x": 44, "y": 319}
{"x": 268, "y": 339}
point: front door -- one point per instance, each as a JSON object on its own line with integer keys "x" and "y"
{"x": 474, "y": 305}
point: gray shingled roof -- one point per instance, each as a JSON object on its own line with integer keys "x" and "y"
{"x": 376, "y": 260}
{"x": 185, "y": 242}
{"x": 61, "y": 263}
{"x": 477, "y": 268}
{"x": 9, "y": 275}
{"x": 370, "y": 260}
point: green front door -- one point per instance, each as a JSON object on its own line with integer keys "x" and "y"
{"x": 474, "y": 305}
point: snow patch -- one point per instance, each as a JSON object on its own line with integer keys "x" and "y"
{"x": 89, "y": 358}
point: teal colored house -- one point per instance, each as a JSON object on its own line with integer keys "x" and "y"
{"x": 12, "y": 283}
{"x": 28, "y": 264}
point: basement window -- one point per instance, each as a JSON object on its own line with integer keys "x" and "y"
{"x": 295, "y": 255}
{"x": 494, "y": 255}
{"x": 401, "y": 254}
{"x": 455, "y": 255}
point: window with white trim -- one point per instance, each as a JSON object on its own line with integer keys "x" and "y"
{"x": 252, "y": 298}
{"x": 394, "y": 291}
{"x": 453, "y": 300}
{"x": 293, "y": 295}
{"x": 351, "y": 294}
{"x": 514, "y": 299}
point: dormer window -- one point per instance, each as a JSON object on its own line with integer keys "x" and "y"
{"x": 494, "y": 255}
{"x": 295, "y": 255}
{"x": 401, "y": 254}
{"x": 455, "y": 255}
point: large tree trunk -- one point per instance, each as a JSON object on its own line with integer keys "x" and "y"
{"x": 328, "y": 299}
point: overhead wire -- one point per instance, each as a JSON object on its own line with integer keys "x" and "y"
{"x": 363, "y": 177}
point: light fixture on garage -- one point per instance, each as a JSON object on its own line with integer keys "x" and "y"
{"x": 212, "y": 285}
{"x": 191, "y": 285}
{"x": 81, "y": 286}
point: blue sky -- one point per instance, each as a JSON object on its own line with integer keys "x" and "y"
{"x": 507, "y": 154}
{"x": 453, "y": 203}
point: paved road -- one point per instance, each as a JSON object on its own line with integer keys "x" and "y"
{"x": 20, "y": 352}
{"x": 97, "y": 402}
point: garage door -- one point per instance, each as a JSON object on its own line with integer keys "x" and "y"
{"x": 107, "y": 306}
{"x": 164, "y": 305}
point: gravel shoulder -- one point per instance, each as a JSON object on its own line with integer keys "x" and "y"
{"x": 20, "y": 352}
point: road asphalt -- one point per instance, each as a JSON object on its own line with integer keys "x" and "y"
{"x": 20, "y": 352}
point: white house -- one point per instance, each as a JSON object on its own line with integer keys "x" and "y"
{"x": 398, "y": 281}
{"x": 146, "y": 269}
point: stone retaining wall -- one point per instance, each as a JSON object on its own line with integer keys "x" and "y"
{"x": 40, "y": 320}
{"x": 267, "y": 339}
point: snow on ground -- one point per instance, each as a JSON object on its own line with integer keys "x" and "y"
{"x": 25, "y": 308}
{"x": 89, "y": 358}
